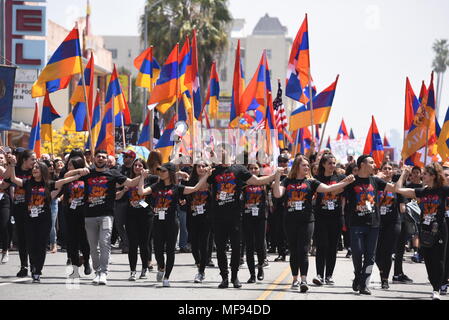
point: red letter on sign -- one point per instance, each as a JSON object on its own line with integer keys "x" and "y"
{"x": 29, "y": 20}
{"x": 21, "y": 60}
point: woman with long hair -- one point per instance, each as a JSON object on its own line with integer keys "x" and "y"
{"x": 433, "y": 233}
{"x": 198, "y": 205}
{"x": 165, "y": 196}
{"x": 328, "y": 221}
{"x": 298, "y": 190}
{"x": 254, "y": 224}
{"x": 74, "y": 216}
{"x": 350, "y": 169}
{"x": 5, "y": 207}
{"x": 139, "y": 222}
{"x": 38, "y": 217}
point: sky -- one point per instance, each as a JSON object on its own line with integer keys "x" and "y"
{"x": 372, "y": 44}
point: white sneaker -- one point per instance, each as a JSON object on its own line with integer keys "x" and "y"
{"x": 198, "y": 278}
{"x": 96, "y": 280}
{"x": 166, "y": 283}
{"x": 132, "y": 276}
{"x": 5, "y": 257}
{"x": 75, "y": 274}
{"x": 436, "y": 295}
{"x": 103, "y": 280}
{"x": 159, "y": 276}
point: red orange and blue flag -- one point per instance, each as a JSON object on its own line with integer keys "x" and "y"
{"x": 35, "y": 135}
{"x": 238, "y": 87}
{"x": 149, "y": 69}
{"x": 373, "y": 144}
{"x": 49, "y": 114}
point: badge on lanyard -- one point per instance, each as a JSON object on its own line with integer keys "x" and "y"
{"x": 162, "y": 214}
{"x": 368, "y": 206}
{"x": 330, "y": 205}
{"x": 298, "y": 205}
{"x": 383, "y": 210}
{"x": 427, "y": 219}
{"x": 143, "y": 203}
{"x": 200, "y": 209}
{"x": 74, "y": 204}
{"x": 223, "y": 195}
{"x": 255, "y": 211}
{"x": 34, "y": 212}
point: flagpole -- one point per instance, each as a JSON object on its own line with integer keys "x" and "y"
{"x": 322, "y": 136}
{"x": 85, "y": 97}
{"x": 427, "y": 143}
{"x": 296, "y": 141}
{"x": 311, "y": 103}
{"x": 150, "y": 112}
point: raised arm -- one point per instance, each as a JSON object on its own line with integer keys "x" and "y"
{"x": 80, "y": 171}
{"x": 130, "y": 183}
{"x": 406, "y": 192}
{"x": 200, "y": 184}
{"x": 13, "y": 178}
{"x": 335, "y": 187}
{"x": 140, "y": 189}
{"x": 278, "y": 190}
{"x": 61, "y": 182}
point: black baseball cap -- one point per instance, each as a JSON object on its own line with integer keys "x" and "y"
{"x": 169, "y": 166}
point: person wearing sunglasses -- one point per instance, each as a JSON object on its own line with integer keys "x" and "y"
{"x": 165, "y": 196}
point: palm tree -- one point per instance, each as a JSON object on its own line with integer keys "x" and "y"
{"x": 439, "y": 65}
{"x": 170, "y": 21}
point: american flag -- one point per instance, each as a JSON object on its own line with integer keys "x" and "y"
{"x": 280, "y": 116}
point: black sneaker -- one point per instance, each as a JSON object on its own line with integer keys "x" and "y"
{"x": 36, "y": 278}
{"x": 87, "y": 269}
{"x": 242, "y": 261}
{"x": 265, "y": 264}
{"x": 303, "y": 286}
{"x": 443, "y": 290}
{"x": 260, "y": 274}
{"x": 252, "y": 279}
{"x": 355, "y": 284}
{"x": 365, "y": 291}
{"x": 68, "y": 262}
{"x": 385, "y": 285}
{"x": 402, "y": 278}
{"x": 348, "y": 254}
{"x": 236, "y": 283}
{"x": 279, "y": 258}
{"x": 318, "y": 280}
{"x": 329, "y": 281}
{"x": 22, "y": 273}
{"x": 224, "y": 284}
{"x": 211, "y": 264}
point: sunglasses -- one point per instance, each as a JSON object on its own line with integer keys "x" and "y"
{"x": 203, "y": 165}
{"x": 161, "y": 169}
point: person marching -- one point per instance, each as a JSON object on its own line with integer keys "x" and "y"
{"x": 38, "y": 218}
{"x": 165, "y": 196}
{"x": 328, "y": 222}
{"x": 297, "y": 191}
{"x": 433, "y": 233}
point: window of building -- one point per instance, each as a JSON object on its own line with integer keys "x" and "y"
{"x": 114, "y": 53}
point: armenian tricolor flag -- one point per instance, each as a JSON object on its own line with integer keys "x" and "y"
{"x": 149, "y": 69}
{"x": 213, "y": 92}
{"x": 166, "y": 143}
{"x": 115, "y": 95}
{"x": 65, "y": 62}
{"x": 342, "y": 131}
{"x": 238, "y": 86}
{"x": 96, "y": 120}
{"x": 196, "y": 92}
{"x": 35, "y": 135}
{"x": 144, "y": 138}
{"x": 106, "y": 136}
{"x": 49, "y": 114}
{"x": 373, "y": 144}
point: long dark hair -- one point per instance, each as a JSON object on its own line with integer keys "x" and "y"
{"x": 144, "y": 164}
{"x": 45, "y": 176}
{"x": 23, "y": 156}
{"x": 154, "y": 160}
{"x": 436, "y": 170}
{"x": 77, "y": 162}
{"x": 324, "y": 158}
{"x": 350, "y": 168}
{"x": 194, "y": 177}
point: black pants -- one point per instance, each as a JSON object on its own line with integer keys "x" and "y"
{"x": 446, "y": 264}
{"x": 4, "y": 220}
{"x": 38, "y": 235}
{"x": 346, "y": 233}
{"x": 386, "y": 245}
{"x": 76, "y": 236}
{"x": 299, "y": 235}
{"x": 279, "y": 232}
{"x": 254, "y": 234}
{"x": 138, "y": 227}
{"x": 434, "y": 260}
{"x": 20, "y": 212}
{"x": 210, "y": 243}
{"x": 400, "y": 250}
{"x": 165, "y": 235}
{"x": 327, "y": 235}
{"x": 120, "y": 215}
{"x": 224, "y": 230}
{"x": 199, "y": 239}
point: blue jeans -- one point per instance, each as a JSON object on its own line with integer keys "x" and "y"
{"x": 363, "y": 245}
{"x": 54, "y": 215}
{"x": 182, "y": 215}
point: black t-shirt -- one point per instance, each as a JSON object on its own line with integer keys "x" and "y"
{"x": 199, "y": 203}
{"x": 388, "y": 203}
{"x": 38, "y": 199}
{"x": 432, "y": 203}
{"x": 361, "y": 199}
{"x": 19, "y": 192}
{"x": 328, "y": 205}
{"x": 255, "y": 202}
{"x": 298, "y": 198}
{"x": 165, "y": 201}
{"x": 100, "y": 192}
{"x": 74, "y": 193}
{"x": 227, "y": 183}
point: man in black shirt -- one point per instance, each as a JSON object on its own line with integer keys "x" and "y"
{"x": 227, "y": 181}
{"x": 99, "y": 206}
{"x": 364, "y": 220}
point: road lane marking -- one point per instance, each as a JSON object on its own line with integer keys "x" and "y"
{"x": 17, "y": 280}
{"x": 281, "y": 294}
{"x": 276, "y": 282}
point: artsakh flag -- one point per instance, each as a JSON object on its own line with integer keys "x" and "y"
{"x": 65, "y": 62}
{"x": 373, "y": 144}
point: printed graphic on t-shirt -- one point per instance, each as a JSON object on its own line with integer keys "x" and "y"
{"x": 385, "y": 200}
{"x": 365, "y": 197}
{"x": 199, "y": 201}
{"x": 296, "y": 195}
{"x": 37, "y": 201}
{"x": 164, "y": 199}
{"x": 329, "y": 201}
{"x": 254, "y": 195}
{"x": 226, "y": 188}
{"x": 19, "y": 192}
{"x": 76, "y": 194}
{"x": 429, "y": 206}
{"x": 135, "y": 198}
{"x": 97, "y": 187}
